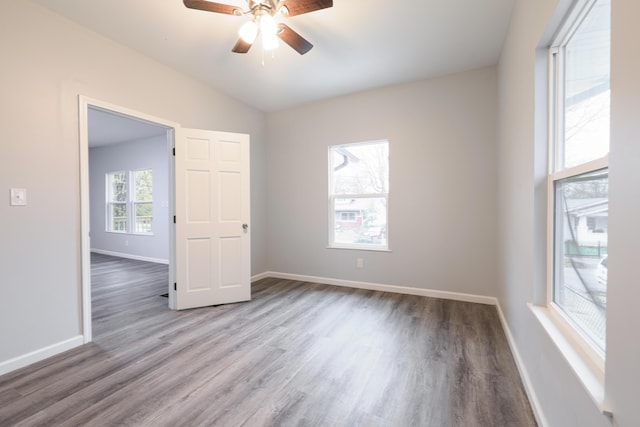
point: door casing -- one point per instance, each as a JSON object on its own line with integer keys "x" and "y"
{"x": 84, "y": 103}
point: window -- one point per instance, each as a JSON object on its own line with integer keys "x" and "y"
{"x": 578, "y": 170}
{"x": 348, "y": 216}
{"x": 142, "y": 201}
{"x": 358, "y": 195}
{"x": 130, "y": 201}
{"x": 117, "y": 201}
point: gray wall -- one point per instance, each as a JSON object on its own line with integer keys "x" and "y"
{"x": 48, "y": 61}
{"x": 522, "y": 153}
{"x": 451, "y": 185}
{"x": 151, "y": 153}
{"x": 443, "y": 188}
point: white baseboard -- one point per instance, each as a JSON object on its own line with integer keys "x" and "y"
{"x": 260, "y": 276}
{"x": 381, "y": 287}
{"x": 41, "y": 354}
{"x": 524, "y": 374}
{"x": 130, "y": 256}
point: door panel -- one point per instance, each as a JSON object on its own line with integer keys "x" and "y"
{"x": 198, "y": 202}
{"x": 212, "y": 205}
{"x": 230, "y": 251}
{"x": 230, "y": 204}
{"x": 197, "y": 267}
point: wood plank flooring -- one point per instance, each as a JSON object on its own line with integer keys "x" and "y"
{"x": 300, "y": 354}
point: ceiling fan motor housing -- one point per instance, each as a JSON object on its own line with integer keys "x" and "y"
{"x": 265, "y": 6}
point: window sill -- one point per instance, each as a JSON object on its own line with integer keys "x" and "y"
{"x": 359, "y": 248}
{"x": 125, "y": 233}
{"x": 590, "y": 372}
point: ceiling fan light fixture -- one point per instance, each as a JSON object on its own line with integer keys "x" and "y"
{"x": 263, "y": 23}
{"x": 268, "y": 25}
{"x": 249, "y": 31}
{"x": 269, "y": 41}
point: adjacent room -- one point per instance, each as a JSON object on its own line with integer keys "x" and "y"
{"x": 319, "y": 213}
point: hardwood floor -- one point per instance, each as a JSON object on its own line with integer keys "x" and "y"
{"x": 299, "y": 354}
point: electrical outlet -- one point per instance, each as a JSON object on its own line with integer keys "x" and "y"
{"x": 360, "y": 263}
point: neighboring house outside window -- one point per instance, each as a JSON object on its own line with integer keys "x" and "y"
{"x": 578, "y": 171}
{"x": 130, "y": 201}
{"x": 358, "y": 195}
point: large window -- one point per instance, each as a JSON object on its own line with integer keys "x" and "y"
{"x": 578, "y": 170}
{"x": 358, "y": 195}
{"x": 130, "y": 201}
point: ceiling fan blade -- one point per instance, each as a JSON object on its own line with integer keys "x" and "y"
{"x": 212, "y": 7}
{"x": 298, "y": 7}
{"x": 293, "y": 39}
{"x": 241, "y": 46}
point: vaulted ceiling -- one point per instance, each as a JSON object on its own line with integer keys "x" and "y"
{"x": 358, "y": 44}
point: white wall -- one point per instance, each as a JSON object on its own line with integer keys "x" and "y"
{"x": 442, "y": 203}
{"x": 522, "y": 153}
{"x": 150, "y": 153}
{"x": 47, "y": 61}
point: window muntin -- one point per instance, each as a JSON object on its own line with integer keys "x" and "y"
{"x": 129, "y": 203}
{"x": 578, "y": 175}
{"x": 358, "y": 195}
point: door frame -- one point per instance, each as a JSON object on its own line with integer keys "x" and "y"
{"x": 84, "y": 103}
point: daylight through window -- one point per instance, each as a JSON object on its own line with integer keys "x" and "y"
{"x": 117, "y": 201}
{"x": 130, "y": 201}
{"x": 578, "y": 176}
{"x": 358, "y": 195}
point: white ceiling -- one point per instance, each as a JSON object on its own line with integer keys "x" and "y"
{"x": 358, "y": 44}
{"x": 106, "y": 127}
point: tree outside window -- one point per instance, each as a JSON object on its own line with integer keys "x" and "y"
{"x": 130, "y": 201}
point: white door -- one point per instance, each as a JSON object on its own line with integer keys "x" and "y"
{"x": 212, "y": 218}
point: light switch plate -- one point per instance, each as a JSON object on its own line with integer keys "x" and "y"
{"x": 18, "y": 197}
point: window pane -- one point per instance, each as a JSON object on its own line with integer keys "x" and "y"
{"x": 143, "y": 185}
{"x": 360, "y": 168}
{"x": 118, "y": 217}
{"x": 361, "y": 221}
{"x": 118, "y": 187}
{"x": 586, "y": 88}
{"x": 143, "y": 192}
{"x": 144, "y": 218}
{"x": 581, "y": 227}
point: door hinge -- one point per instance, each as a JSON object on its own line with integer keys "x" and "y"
{"x": 174, "y": 151}
{"x": 175, "y": 286}
{"x": 174, "y": 219}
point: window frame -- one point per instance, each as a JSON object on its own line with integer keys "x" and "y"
{"x": 332, "y": 199}
{"x": 556, "y": 171}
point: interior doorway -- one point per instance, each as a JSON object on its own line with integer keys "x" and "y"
{"x": 130, "y": 229}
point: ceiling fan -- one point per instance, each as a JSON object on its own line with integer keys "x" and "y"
{"x": 263, "y": 23}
